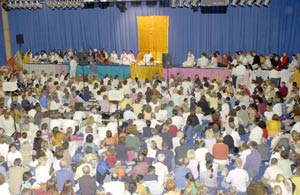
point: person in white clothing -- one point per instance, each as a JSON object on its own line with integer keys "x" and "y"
{"x": 124, "y": 58}
{"x": 238, "y": 177}
{"x": 161, "y": 169}
{"x": 190, "y": 61}
{"x": 114, "y": 57}
{"x": 239, "y": 72}
{"x": 203, "y": 61}
{"x": 267, "y": 65}
{"x": 277, "y": 108}
{"x": 13, "y": 154}
{"x": 274, "y": 77}
{"x": 114, "y": 187}
{"x": 296, "y": 126}
{"x": 294, "y": 64}
{"x": 243, "y": 59}
{"x": 256, "y": 134}
{"x": 4, "y": 147}
{"x": 7, "y": 123}
{"x": 147, "y": 58}
{"x": 73, "y": 66}
{"x": 131, "y": 57}
{"x": 201, "y": 154}
{"x": 42, "y": 171}
{"x": 213, "y": 61}
{"x": 177, "y": 120}
{"x": 272, "y": 171}
{"x": 4, "y": 187}
{"x": 231, "y": 129}
{"x": 43, "y": 56}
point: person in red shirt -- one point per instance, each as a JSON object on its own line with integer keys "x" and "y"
{"x": 284, "y": 61}
{"x": 278, "y": 64}
{"x": 262, "y": 124}
{"x": 220, "y": 152}
{"x": 283, "y": 90}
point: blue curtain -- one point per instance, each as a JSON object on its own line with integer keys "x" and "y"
{"x": 2, "y": 45}
{"x": 266, "y": 30}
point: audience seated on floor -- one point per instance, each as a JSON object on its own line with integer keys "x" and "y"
{"x": 192, "y": 137}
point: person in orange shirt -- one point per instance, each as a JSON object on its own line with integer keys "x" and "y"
{"x": 57, "y": 137}
{"x": 109, "y": 140}
{"x": 274, "y": 126}
{"x": 139, "y": 57}
{"x": 27, "y": 58}
{"x": 219, "y": 59}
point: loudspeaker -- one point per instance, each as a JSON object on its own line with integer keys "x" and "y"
{"x": 20, "y": 39}
{"x": 207, "y": 3}
{"x": 167, "y": 60}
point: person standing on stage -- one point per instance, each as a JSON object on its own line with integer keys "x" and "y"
{"x": 73, "y": 66}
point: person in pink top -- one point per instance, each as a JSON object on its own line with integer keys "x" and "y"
{"x": 133, "y": 95}
{"x": 104, "y": 103}
{"x": 209, "y": 140}
{"x": 193, "y": 162}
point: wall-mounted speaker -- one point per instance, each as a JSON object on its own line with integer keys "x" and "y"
{"x": 167, "y": 60}
{"x": 20, "y": 39}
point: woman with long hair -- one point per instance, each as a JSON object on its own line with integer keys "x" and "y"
{"x": 209, "y": 140}
{"x": 193, "y": 162}
{"x": 46, "y": 150}
{"x": 47, "y": 188}
{"x": 67, "y": 189}
{"x": 26, "y": 152}
{"x": 204, "y": 105}
{"x": 51, "y": 187}
{"x": 89, "y": 141}
{"x": 209, "y": 179}
{"x": 190, "y": 187}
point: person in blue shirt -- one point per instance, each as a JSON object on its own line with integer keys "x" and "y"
{"x": 44, "y": 100}
{"x": 180, "y": 172}
{"x": 63, "y": 174}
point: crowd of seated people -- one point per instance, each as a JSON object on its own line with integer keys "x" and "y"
{"x": 92, "y": 56}
{"x": 214, "y": 60}
{"x": 250, "y": 59}
{"x": 187, "y": 136}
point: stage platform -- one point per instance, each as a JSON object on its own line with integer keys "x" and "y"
{"x": 212, "y": 73}
{"x": 100, "y": 69}
{"x": 122, "y": 71}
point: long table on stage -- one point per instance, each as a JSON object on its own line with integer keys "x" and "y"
{"x": 48, "y": 68}
{"x": 122, "y": 71}
{"x": 102, "y": 69}
{"x": 212, "y": 73}
{"x": 143, "y": 72}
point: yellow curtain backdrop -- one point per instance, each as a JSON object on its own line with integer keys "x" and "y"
{"x": 153, "y": 35}
{"x": 6, "y": 33}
